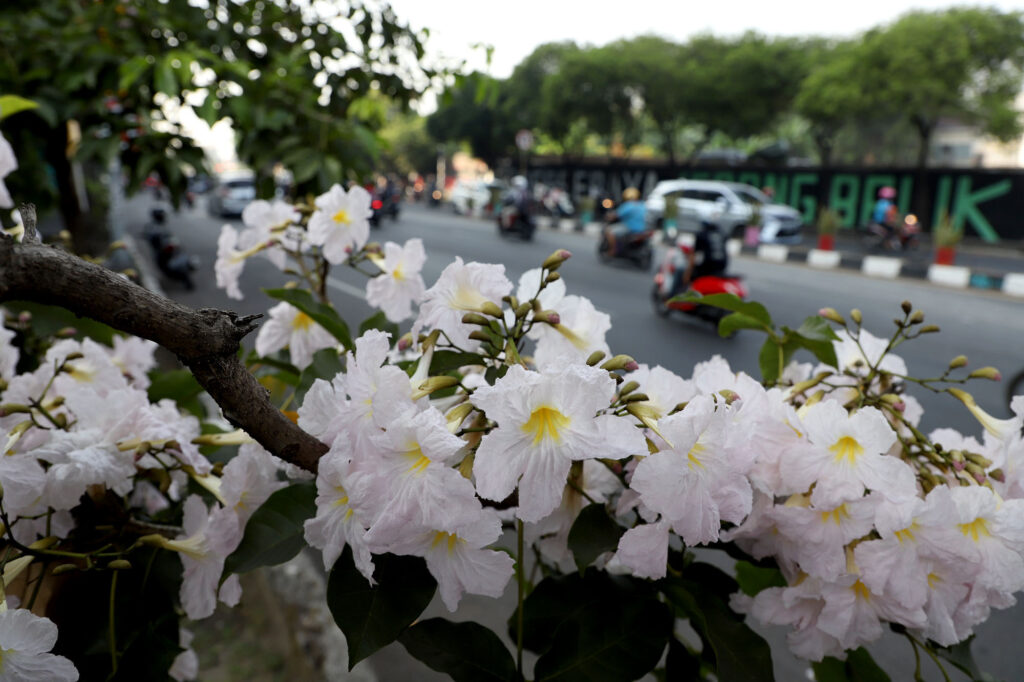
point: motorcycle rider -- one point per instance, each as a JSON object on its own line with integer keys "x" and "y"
{"x": 628, "y": 220}
{"x": 710, "y": 244}
{"x": 885, "y": 213}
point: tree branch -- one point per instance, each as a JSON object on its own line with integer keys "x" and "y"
{"x": 205, "y": 340}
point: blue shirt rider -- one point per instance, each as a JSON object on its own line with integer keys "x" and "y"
{"x": 631, "y": 216}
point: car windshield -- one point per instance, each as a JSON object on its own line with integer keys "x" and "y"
{"x": 751, "y": 196}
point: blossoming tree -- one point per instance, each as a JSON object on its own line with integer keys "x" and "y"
{"x": 497, "y": 445}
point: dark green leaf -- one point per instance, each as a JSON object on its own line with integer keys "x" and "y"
{"x": 274, "y": 533}
{"x": 447, "y": 360}
{"x": 379, "y": 321}
{"x": 131, "y": 70}
{"x": 681, "y": 665}
{"x": 592, "y": 534}
{"x": 468, "y": 652}
{"x": 324, "y": 315}
{"x": 494, "y": 373}
{"x": 163, "y": 78}
{"x": 741, "y": 655}
{"x": 208, "y": 110}
{"x": 752, "y": 579}
{"x": 731, "y": 302}
{"x": 48, "y": 320}
{"x": 960, "y": 655}
{"x": 817, "y": 336}
{"x": 374, "y": 616}
{"x": 326, "y": 365}
{"x": 858, "y": 667}
{"x": 733, "y": 322}
{"x": 180, "y": 386}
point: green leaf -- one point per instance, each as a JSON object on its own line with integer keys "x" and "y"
{"x": 468, "y": 651}
{"x": 326, "y": 365}
{"x": 680, "y": 664}
{"x": 592, "y": 534}
{"x": 752, "y": 579}
{"x": 731, "y": 302}
{"x": 379, "y": 321}
{"x": 180, "y": 386}
{"x": 163, "y": 78}
{"x": 817, "y": 336}
{"x": 373, "y": 616}
{"x": 740, "y": 654}
{"x": 447, "y": 360}
{"x": 274, "y": 533}
{"x": 858, "y": 667}
{"x": 595, "y": 627}
{"x": 960, "y": 655}
{"x": 324, "y": 315}
{"x": 13, "y": 104}
{"x": 733, "y": 322}
{"x": 208, "y": 110}
{"x": 130, "y": 71}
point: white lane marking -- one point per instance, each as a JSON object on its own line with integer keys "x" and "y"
{"x": 346, "y": 288}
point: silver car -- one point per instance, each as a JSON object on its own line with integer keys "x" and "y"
{"x": 231, "y": 194}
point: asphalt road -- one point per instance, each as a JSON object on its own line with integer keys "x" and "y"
{"x": 985, "y": 326}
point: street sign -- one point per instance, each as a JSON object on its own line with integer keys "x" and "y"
{"x": 524, "y": 140}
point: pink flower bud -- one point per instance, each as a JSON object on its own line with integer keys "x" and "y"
{"x": 980, "y": 478}
{"x": 554, "y": 318}
{"x": 631, "y": 366}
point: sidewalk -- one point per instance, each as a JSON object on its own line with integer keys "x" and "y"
{"x": 978, "y": 264}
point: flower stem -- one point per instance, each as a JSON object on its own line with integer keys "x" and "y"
{"x": 520, "y": 589}
{"x": 111, "y": 634}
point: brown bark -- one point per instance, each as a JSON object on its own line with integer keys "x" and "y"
{"x": 205, "y": 340}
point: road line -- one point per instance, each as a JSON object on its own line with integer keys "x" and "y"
{"x": 346, "y": 288}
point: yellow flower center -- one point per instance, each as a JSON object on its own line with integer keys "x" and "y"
{"x": 419, "y": 461}
{"x": 976, "y": 529}
{"x": 466, "y": 298}
{"x": 693, "y": 456}
{"x": 846, "y": 448}
{"x": 546, "y": 423}
{"x": 933, "y": 580}
{"x": 81, "y": 371}
{"x": 861, "y": 590}
{"x": 452, "y": 540}
{"x": 398, "y": 273}
{"x": 302, "y": 321}
{"x": 907, "y": 534}
{"x": 341, "y": 217}
{"x": 836, "y": 516}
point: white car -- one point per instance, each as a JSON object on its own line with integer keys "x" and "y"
{"x": 730, "y": 205}
{"x": 465, "y": 192}
{"x": 231, "y": 193}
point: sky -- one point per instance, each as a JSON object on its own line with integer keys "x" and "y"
{"x": 514, "y": 28}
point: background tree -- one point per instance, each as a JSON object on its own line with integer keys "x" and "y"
{"x": 470, "y": 112}
{"x": 285, "y": 74}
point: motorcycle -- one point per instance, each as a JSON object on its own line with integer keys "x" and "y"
{"x": 637, "y": 248}
{"x": 173, "y": 262}
{"x": 512, "y": 221}
{"x": 904, "y": 238}
{"x": 706, "y": 285}
{"x": 384, "y": 203}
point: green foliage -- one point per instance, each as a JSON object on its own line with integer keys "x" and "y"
{"x": 945, "y": 233}
{"x": 324, "y": 315}
{"x": 274, "y": 533}
{"x": 379, "y": 321}
{"x": 326, "y": 365}
{"x": 752, "y": 579}
{"x": 180, "y": 386}
{"x": 468, "y": 652}
{"x": 12, "y": 104}
{"x": 592, "y": 534}
{"x": 858, "y": 667}
{"x": 373, "y": 616}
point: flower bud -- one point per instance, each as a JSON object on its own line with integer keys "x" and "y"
{"x": 980, "y": 460}
{"x": 679, "y": 408}
{"x": 63, "y": 568}
{"x": 552, "y": 277}
{"x": 635, "y": 398}
{"x": 832, "y": 314}
{"x": 628, "y": 388}
{"x": 907, "y": 307}
{"x": 928, "y": 480}
{"x": 555, "y": 260}
{"x": 997, "y": 475}
{"x": 435, "y": 384}
{"x": 457, "y": 415}
{"x": 928, "y": 329}
{"x": 523, "y": 310}
{"x": 595, "y": 357}
{"x": 958, "y": 362}
{"x": 986, "y": 373}
{"x": 66, "y": 333}
{"x": 119, "y": 564}
{"x": 730, "y": 396}
{"x": 73, "y": 356}
{"x": 511, "y": 300}
{"x": 24, "y": 318}
{"x": 3, "y": 385}
{"x": 491, "y": 308}
{"x": 475, "y": 318}
{"x": 478, "y": 335}
{"x": 549, "y": 316}
{"x": 974, "y": 470}
{"x": 856, "y": 316}
{"x": 405, "y": 342}
{"x": 8, "y": 409}
{"x": 957, "y": 457}
{"x": 917, "y": 317}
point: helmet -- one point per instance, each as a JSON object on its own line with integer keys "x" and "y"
{"x": 519, "y": 182}
{"x": 887, "y": 193}
{"x": 158, "y": 214}
{"x": 630, "y": 194}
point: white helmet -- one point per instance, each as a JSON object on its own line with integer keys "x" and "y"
{"x": 519, "y": 182}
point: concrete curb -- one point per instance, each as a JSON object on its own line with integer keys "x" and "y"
{"x": 955, "y": 276}
{"x": 827, "y": 260}
{"x": 147, "y": 277}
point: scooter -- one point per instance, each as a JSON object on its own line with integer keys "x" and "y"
{"x": 904, "y": 238}
{"x": 664, "y": 280}
{"x": 637, "y": 248}
{"x": 511, "y": 221}
{"x": 173, "y": 262}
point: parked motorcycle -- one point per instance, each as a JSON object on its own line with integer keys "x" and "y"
{"x": 637, "y": 248}
{"x": 665, "y": 280}
{"x": 173, "y": 262}
{"x": 905, "y": 237}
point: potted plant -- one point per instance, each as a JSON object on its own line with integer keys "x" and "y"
{"x": 828, "y": 224}
{"x": 946, "y": 236}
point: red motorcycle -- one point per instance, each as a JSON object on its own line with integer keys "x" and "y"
{"x": 665, "y": 282}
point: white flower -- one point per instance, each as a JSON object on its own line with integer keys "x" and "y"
{"x": 8, "y": 164}
{"x": 799, "y": 605}
{"x": 290, "y": 327}
{"x": 663, "y": 388}
{"x": 323, "y": 410}
{"x": 230, "y": 262}
{"x": 545, "y": 421}
{"x": 186, "y": 664}
{"x": 80, "y": 459}
{"x": 853, "y": 614}
{"x": 340, "y": 224}
{"x": 856, "y": 355}
{"x": 992, "y": 532}
{"x": 644, "y": 550}
{"x": 248, "y": 480}
{"x": 529, "y": 288}
{"x": 134, "y": 356}
{"x": 268, "y": 222}
{"x": 340, "y": 514}
{"x": 460, "y": 289}
{"x": 848, "y": 457}
{"x": 25, "y": 642}
{"x": 22, "y": 478}
{"x": 400, "y": 284}
{"x": 580, "y": 332}
{"x": 94, "y": 373}
{"x": 696, "y": 482}
{"x": 8, "y": 351}
{"x": 208, "y": 538}
{"x": 817, "y": 536}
